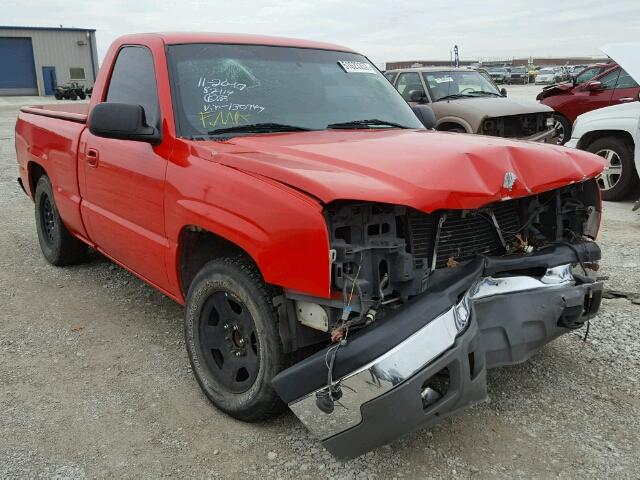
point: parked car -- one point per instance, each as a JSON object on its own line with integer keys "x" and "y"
{"x": 614, "y": 134}
{"x": 70, "y": 91}
{"x": 518, "y": 75}
{"x": 465, "y": 101}
{"x": 499, "y": 75}
{"x": 612, "y": 87}
{"x": 548, "y": 75}
{"x": 333, "y": 254}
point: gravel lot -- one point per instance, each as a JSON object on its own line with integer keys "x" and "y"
{"x": 95, "y": 382}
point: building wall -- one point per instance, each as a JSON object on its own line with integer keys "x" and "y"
{"x": 60, "y": 48}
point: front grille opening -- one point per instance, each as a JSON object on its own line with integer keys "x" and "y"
{"x": 435, "y": 388}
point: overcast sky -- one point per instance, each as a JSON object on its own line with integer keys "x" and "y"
{"x": 384, "y": 30}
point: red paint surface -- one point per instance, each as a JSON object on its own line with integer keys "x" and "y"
{"x": 265, "y": 192}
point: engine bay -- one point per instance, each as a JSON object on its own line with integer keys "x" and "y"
{"x": 383, "y": 255}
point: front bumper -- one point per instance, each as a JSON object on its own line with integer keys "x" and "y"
{"x": 450, "y": 336}
{"x": 546, "y": 136}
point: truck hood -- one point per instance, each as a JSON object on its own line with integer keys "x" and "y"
{"x": 478, "y": 107}
{"x": 625, "y": 55}
{"x": 423, "y": 169}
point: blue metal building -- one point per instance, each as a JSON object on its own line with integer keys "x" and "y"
{"x": 33, "y": 60}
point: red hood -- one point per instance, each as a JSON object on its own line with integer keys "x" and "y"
{"x": 421, "y": 169}
{"x": 556, "y": 89}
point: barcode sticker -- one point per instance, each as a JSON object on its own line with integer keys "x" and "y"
{"x": 356, "y": 67}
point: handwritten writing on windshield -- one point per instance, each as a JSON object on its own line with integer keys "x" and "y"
{"x": 219, "y": 107}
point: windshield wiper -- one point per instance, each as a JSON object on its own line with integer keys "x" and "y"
{"x": 482, "y": 92}
{"x": 454, "y": 95}
{"x": 259, "y": 128}
{"x": 365, "y": 124}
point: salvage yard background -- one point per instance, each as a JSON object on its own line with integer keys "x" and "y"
{"x": 95, "y": 381}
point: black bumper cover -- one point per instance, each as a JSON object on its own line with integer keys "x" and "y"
{"x": 505, "y": 330}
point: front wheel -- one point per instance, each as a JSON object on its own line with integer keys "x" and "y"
{"x": 231, "y": 333}
{"x": 58, "y": 246}
{"x": 619, "y": 178}
{"x": 563, "y": 129}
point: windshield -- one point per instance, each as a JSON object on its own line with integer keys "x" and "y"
{"x": 229, "y": 87}
{"x": 547, "y": 71}
{"x": 458, "y": 83}
{"x": 519, "y": 70}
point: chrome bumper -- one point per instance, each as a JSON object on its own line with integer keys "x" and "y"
{"x": 545, "y": 136}
{"x": 345, "y": 432}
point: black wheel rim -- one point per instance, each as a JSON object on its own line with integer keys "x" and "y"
{"x": 47, "y": 219}
{"x": 228, "y": 342}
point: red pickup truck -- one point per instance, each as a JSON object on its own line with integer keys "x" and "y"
{"x": 333, "y": 254}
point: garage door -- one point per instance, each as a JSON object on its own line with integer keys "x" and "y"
{"x": 17, "y": 70}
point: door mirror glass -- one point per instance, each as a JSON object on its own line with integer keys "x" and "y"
{"x": 425, "y": 115}
{"x": 122, "y": 121}
{"x": 417, "y": 96}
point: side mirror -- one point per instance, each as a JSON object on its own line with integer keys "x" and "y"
{"x": 503, "y": 92}
{"x": 426, "y": 116}
{"x": 417, "y": 96}
{"x": 122, "y": 121}
{"x": 594, "y": 86}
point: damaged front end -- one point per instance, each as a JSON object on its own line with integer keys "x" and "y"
{"x": 425, "y": 302}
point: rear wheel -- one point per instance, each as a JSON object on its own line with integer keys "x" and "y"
{"x": 73, "y": 96}
{"x": 563, "y": 129}
{"x": 58, "y": 246}
{"x": 232, "y": 338}
{"x": 619, "y": 178}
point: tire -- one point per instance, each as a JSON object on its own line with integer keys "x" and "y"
{"x": 620, "y": 178}
{"x": 58, "y": 96}
{"x": 73, "y": 96}
{"x": 563, "y": 127}
{"x": 82, "y": 96}
{"x": 232, "y": 338}
{"x": 58, "y": 246}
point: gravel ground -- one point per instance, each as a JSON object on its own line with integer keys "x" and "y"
{"x": 96, "y": 382}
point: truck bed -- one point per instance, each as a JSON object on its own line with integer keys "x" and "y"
{"x": 74, "y": 112}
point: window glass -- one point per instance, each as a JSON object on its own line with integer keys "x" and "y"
{"x": 407, "y": 83}
{"x": 76, "y": 73}
{"x": 225, "y": 86}
{"x": 588, "y": 74}
{"x": 133, "y": 81}
{"x": 609, "y": 81}
{"x": 625, "y": 81}
{"x": 390, "y": 76}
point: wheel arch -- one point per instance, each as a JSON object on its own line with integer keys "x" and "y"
{"x": 448, "y": 124}
{"x": 34, "y": 171}
{"x": 590, "y": 137}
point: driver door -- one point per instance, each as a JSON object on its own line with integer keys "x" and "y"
{"x": 122, "y": 181}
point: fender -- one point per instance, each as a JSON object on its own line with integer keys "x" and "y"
{"x": 53, "y": 145}
{"x": 285, "y": 233}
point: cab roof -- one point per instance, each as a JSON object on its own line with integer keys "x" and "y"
{"x": 174, "y": 38}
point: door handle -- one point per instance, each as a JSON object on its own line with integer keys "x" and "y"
{"x": 92, "y": 157}
{"x": 626, "y": 99}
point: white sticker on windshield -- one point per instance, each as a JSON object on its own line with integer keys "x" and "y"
{"x": 443, "y": 79}
{"x": 356, "y": 67}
